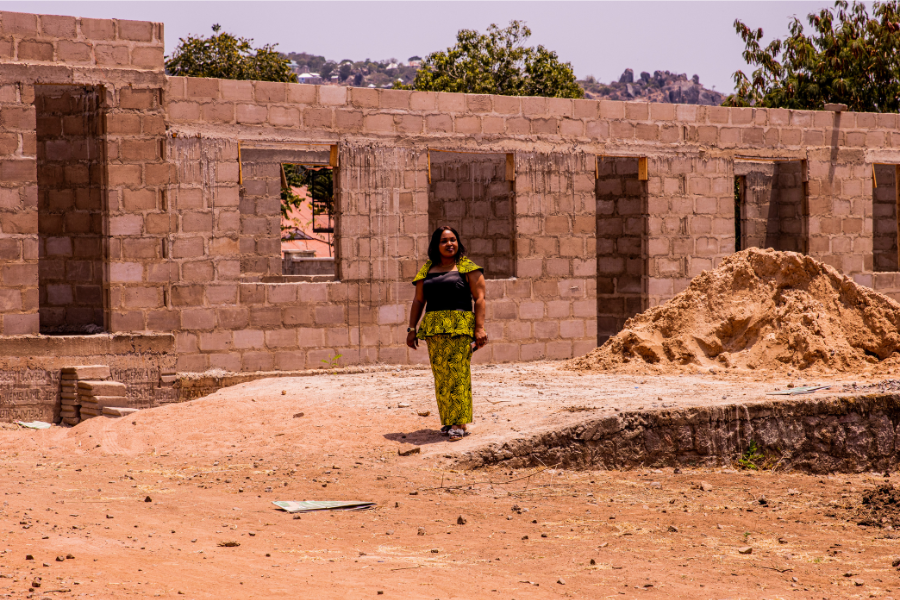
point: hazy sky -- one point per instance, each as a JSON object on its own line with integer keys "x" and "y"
{"x": 598, "y": 38}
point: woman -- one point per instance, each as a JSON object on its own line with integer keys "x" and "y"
{"x": 446, "y": 287}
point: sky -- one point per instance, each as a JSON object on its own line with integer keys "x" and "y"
{"x": 598, "y": 38}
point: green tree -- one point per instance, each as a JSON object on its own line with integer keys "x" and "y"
{"x": 496, "y": 62}
{"x": 224, "y": 56}
{"x": 849, "y": 57}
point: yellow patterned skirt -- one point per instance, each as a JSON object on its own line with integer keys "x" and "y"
{"x": 451, "y": 357}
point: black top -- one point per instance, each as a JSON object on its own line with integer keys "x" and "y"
{"x": 447, "y": 291}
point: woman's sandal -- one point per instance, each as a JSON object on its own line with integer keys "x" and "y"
{"x": 457, "y": 434}
{"x": 445, "y": 430}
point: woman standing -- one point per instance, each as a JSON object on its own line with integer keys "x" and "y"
{"x": 447, "y": 286}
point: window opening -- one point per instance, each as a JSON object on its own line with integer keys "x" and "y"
{"x": 773, "y": 209}
{"x": 885, "y": 223}
{"x": 473, "y": 193}
{"x": 307, "y": 219}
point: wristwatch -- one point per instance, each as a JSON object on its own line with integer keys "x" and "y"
{"x": 410, "y": 329}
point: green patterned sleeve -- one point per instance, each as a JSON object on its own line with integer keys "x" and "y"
{"x": 467, "y": 266}
{"x": 422, "y": 272}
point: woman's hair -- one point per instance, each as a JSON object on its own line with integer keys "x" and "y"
{"x": 434, "y": 252}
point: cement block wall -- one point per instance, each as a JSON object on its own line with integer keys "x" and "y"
{"x": 189, "y": 188}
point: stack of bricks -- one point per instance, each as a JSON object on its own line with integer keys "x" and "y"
{"x": 95, "y": 396}
{"x": 69, "y": 379}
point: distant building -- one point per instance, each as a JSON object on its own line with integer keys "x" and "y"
{"x": 415, "y": 61}
{"x": 309, "y": 78}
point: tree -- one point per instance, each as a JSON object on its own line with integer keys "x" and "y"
{"x": 224, "y": 56}
{"x": 345, "y": 71}
{"x": 496, "y": 62}
{"x": 326, "y": 71}
{"x": 849, "y": 58}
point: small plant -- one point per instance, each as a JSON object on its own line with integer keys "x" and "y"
{"x": 332, "y": 363}
{"x": 751, "y": 457}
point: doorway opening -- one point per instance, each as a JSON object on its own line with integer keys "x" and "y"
{"x": 71, "y": 252}
{"x": 885, "y": 199}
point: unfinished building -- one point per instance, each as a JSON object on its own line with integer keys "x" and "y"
{"x": 140, "y": 213}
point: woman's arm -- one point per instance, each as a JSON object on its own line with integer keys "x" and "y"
{"x": 415, "y": 313}
{"x": 476, "y": 284}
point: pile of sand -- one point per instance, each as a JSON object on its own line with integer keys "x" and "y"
{"x": 760, "y": 309}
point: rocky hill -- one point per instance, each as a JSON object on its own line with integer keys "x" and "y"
{"x": 662, "y": 86}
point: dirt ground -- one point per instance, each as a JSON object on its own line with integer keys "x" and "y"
{"x": 141, "y": 504}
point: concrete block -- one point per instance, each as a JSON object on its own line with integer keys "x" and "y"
{"x": 101, "y": 388}
{"x": 89, "y": 372}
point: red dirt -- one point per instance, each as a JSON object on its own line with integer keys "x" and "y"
{"x": 192, "y": 460}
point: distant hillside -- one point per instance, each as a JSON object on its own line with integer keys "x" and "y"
{"x": 662, "y": 86}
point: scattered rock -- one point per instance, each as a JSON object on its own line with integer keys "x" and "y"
{"x": 414, "y": 493}
{"x": 434, "y": 550}
{"x": 148, "y": 499}
{"x": 782, "y": 540}
{"x": 228, "y": 544}
{"x": 284, "y": 392}
{"x": 895, "y": 562}
{"x": 420, "y": 531}
{"x": 403, "y": 405}
{"x": 423, "y": 413}
{"x": 408, "y": 450}
{"x": 70, "y": 556}
{"x": 762, "y": 501}
{"x": 672, "y": 529}
{"x": 561, "y": 581}
{"x": 29, "y": 557}
{"x": 460, "y": 520}
{"x": 390, "y": 532}
{"x": 745, "y": 550}
{"x": 706, "y": 487}
{"x": 298, "y": 415}
{"x": 859, "y": 582}
{"x": 593, "y": 562}
{"x": 60, "y": 558}
{"x": 655, "y": 484}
